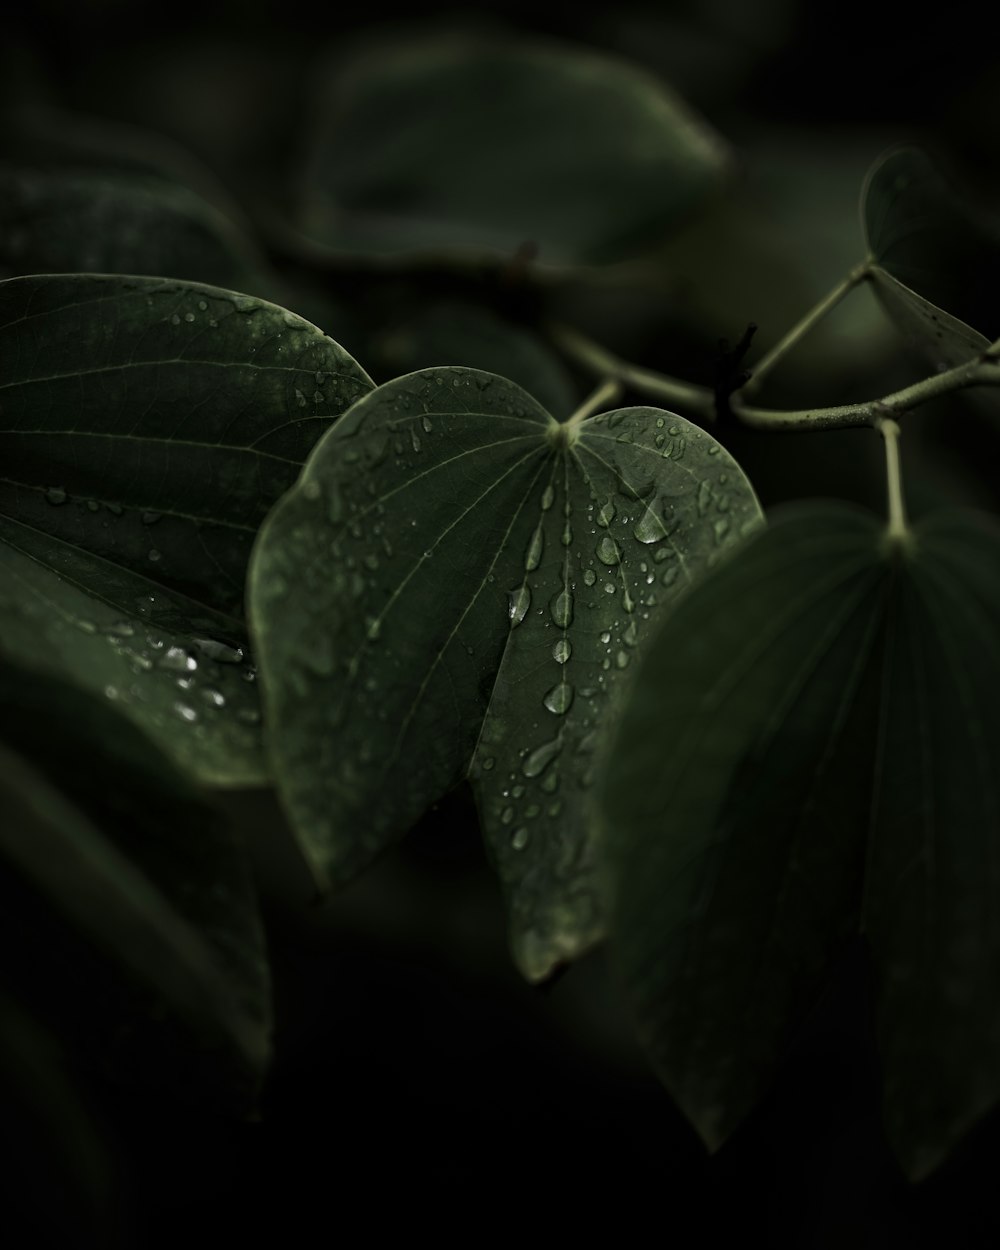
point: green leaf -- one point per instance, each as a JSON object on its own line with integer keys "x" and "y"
{"x": 472, "y": 336}
{"x": 469, "y": 144}
{"x": 933, "y": 877}
{"x": 146, "y": 427}
{"x": 118, "y": 845}
{"x": 95, "y": 222}
{"x": 458, "y": 586}
{"x": 807, "y": 708}
{"x": 937, "y": 262}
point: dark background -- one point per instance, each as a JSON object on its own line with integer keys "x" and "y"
{"x": 420, "y": 1087}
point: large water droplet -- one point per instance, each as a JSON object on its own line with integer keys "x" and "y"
{"x": 520, "y": 602}
{"x": 561, "y": 608}
{"x": 589, "y": 577}
{"x": 548, "y": 497}
{"x": 650, "y": 529}
{"x": 533, "y": 556}
{"x": 606, "y": 514}
{"x": 178, "y": 661}
{"x": 607, "y": 550}
{"x": 560, "y": 698}
{"x": 631, "y": 635}
{"x": 218, "y": 651}
{"x": 562, "y": 650}
{"x": 519, "y": 839}
{"x": 540, "y": 758}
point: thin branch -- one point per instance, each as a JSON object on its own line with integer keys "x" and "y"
{"x": 605, "y": 394}
{"x": 826, "y": 305}
{"x": 599, "y": 360}
{"x": 982, "y": 370}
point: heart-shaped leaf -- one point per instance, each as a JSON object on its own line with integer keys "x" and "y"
{"x": 809, "y": 708}
{"x": 120, "y": 847}
{"x": 471, "y": 144}
{"x": 458, "y": 586}
{"x": 937, "y": 263}
{"x": 146, "y": 426}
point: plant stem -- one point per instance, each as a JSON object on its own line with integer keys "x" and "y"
{"x": 889, "y": 430}
{"x": 981, "y": 370}
{"x": 826, "y": 305}
{"x": 602, "y": 362}
{"x": 605, "y": 394}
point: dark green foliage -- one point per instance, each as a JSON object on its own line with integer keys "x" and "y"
{"x": 229, "y": 560}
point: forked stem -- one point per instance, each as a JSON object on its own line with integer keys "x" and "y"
{"x": 826, "y": 305}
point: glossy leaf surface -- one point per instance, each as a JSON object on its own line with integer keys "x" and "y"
{"x": 146, "y": 426}
{"x": 451, "y": 590}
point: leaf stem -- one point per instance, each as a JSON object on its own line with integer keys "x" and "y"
{"x": 981, "y": 370}
{"x": 826, "y": 305}
{"x": 602, "y": 362}
{"x": 605, "y": 394}
{"x": 889, "y": 429}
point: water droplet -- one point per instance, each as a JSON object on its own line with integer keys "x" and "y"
{"x": 519, "y": 839}
{"x": 507, "y": 815}
{"x": 488, "y": 763}
{"x": 560, "y": 698}
{"x": 606, "y": 637}
{"x": 704, "y": 496}
{"x": 562, "y": 650}
{"x": 185, "y": 712}
{"x": 622, "y": 659}
{"x": 540, "y": 758}
{"x": 150, "y": 518}
{"x": 606, "y": 514}
{"x": 607, "y": 550}
{"x": 426, "y": 423}
{"x": 93, "y": 505}
{"x": 373, "y": 628}
{"x": 318, "y": 397}
{"x": 189, "y": 316}
{"x": 628, "y": 603}
{"x": 650, "y": 529}
{"x": 720, "y": 528}
{"x": 414, "y": 439}
{"x": 121, "y": 629}
{"x": 154, "y": 555}
{"x": 669, "y": 575}
{"x": 175, "y": 320}
{"x": 202, "y": 306}
{"x": 55, "y": 495}
{"x": 219, "y": 651}
{"x": 561, "y": 608}
{"x": 177, "y": 660}
{"x": 110, "y": 692}
{"x": 589, "y": 577}
{"x": 550, "y": 783}
{"x": 567, "y": 535}
{"x": 631, "y": 635}
{"x": 214, "y": 698}
{"x": 300, "y": 399}
{"x": 548, "y": 497}
{"x": 520, "y": 602}
{"x": 533, "y": 556}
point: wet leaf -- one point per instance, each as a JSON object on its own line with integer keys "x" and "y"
{"x": 810, "y": 709}
{"x": 464, "y": 144}
{"x": 938, "y": 261}
{"x": 146, "y": 426}
{"x": 114, "y": 843}
{"x": 451, "y": 590}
